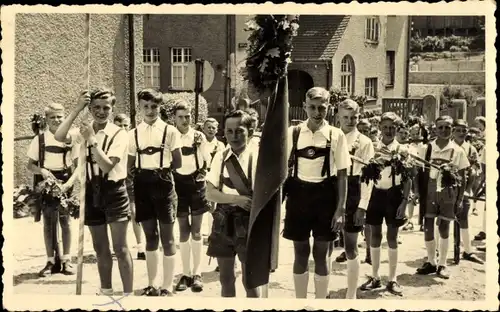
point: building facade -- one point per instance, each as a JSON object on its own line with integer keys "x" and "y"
{"x": 49, "y": 54}
{"x": 447, "y": 25}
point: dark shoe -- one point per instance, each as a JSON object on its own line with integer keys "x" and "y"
{"x": 165, "y": 293}
{"x": 421, "y": 228}
{"x": 197, "y": 284}
{"x": 217, "y": 269}
{"x": 472, "y": 257}
{"x": 67, "y": 268}
{"x": 47, "y": 270}
{"x": 394, "y": 288}
{"x": 474, "y": 212}
{"x": 408, "y": 227}
{"x": 372, "y": 283}
{"x": 443, "y": 272}
{"x": 141, "y": 256}
{"x": 184, "y": 283}
{"x": 150, "y": 291}
{"x": 481, "y": 248}
{"x": 481, "y": 236}
{"x": 341, "y": 258}
{"x": 427, "y": 269}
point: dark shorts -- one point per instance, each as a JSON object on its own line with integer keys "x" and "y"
{"x": 229, "y": 232}
{"x": 111, "y": 204}
{"x": 155, "y": 196}
{"x": 130, "y": 188}
{"x": 384, "y": 204}
{"x": 352, "y": 204}
{"x": 440, "y": 204}
{"x": 464, "y": 213}
{"x": 192, "y": 198}
{"x": 310, "y": 207}
{"x": 49, "y": 203}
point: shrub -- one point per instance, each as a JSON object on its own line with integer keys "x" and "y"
{"x": 454, "y": 49}
{"x": 416, "y": 44}
{"x": 464, "y": 48}
{"x": 169, "y": 99}
{"x": 337, "y": 96}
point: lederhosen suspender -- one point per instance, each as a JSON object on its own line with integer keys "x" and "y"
{"x": 105, "y": 150}
{"x": 352, "y": 152}
{"x": 193, "y": 150}
{"x": 150, "y": 150}
{"x": 42, "y": 148}
{"x": 393, "y": 176}
{"x": 295, "y": 154}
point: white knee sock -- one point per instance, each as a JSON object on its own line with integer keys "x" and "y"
{"x": 186, "y": 257}
{"x": 321, "y": 286}
{"x": 196, "y": 246}
{"x": 431, "y": 251}
{"x": 300, "y": 282}
{"x": 375, "y": 254}
{"x": 393, "y": 263}
{"x": 352, "y": 277}
{"x": 51, "y": 260}
{"x": 484, "y": 221}
{"x": 168, "y": 271}
{"x": 152, "y": 259}
{"x": 465, "y": 234}
{"x": 443, "y": 251}
{"x": 106, "y": 291}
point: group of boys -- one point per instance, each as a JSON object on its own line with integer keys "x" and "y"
{"x": 158, "y": 173}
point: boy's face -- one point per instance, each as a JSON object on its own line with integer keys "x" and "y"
{"x": 388, "y": 129}
{"x": 101, "y": 110}
{"x": 316, "y": 110}
{"x": 210, "y": 129}
{"x": 183, "y": 119}
{"x": 403, "y": 134}
{"x": 236, "y": 134}
{"x": 479, "y": 125}
{"x": 364, "y": 129}
{"x": 415, "y": 132}
{"x": 460, "y": 132}
{"x": 54, "y": 119}
{"x": 443, "y": 129}
{"x": 374, "y": 134}
{"x": 348, "y": 119}
{"x": 150, "y": 110}
{"x": 124, "y": 124}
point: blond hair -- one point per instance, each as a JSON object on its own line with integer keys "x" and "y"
{"x": 318, "y": 93}
{"x": 349, "y": 104}
{"x": 53, "y": 108}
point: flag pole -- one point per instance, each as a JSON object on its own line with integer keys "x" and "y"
{"x": 82, "y": 161}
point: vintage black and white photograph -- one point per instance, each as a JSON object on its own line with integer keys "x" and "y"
{"x": 234, "y": 153}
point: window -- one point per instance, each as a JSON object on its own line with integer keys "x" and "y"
{"x": 372, "y": 29}
{"x": 347, "y": 75}
{"x": 151, "y": 63}
{"x": 180, "y": 58}
{"x": 390, "y": 68}
{"x": 371, "y": 87}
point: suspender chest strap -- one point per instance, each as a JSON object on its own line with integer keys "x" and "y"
{"x": 236, "y": 170}
{"x": 150, "y": 150}
{"x": 311, "y": 152}
{"x": 105, "y": 148}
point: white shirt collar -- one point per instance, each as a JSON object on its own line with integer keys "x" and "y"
{"x": 245, "y": 152}
{"x": 448, "y": 146}
{"x": 108, "y": 129}
{"x": 323, "y": 129}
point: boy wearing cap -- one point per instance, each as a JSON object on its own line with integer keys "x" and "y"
{"x": 388, "y": 201}
{"x": 441, "y": 203}
{"x": 154, "y": 152}
{"x": 190, "y": 186}
{"x": 55, "y": 160}
{"x": 316, "y": 196}
{"x": 358, "y": 194}
{"x": 460, "y": 129}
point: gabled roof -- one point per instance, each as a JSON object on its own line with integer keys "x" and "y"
{"x": 318, "y": 37}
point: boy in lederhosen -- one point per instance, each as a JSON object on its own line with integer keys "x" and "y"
{"x": 230, "y": 184}
{"x": 106, "y": 198}
{"x": 210, "y": 127}
{"x": 55, "y": 160}
{"x": 388, "y": 202}
{"x": 190, "y": 186}
{"x": 121, "y": 120}
{"x": 154, "y": 151}
{"x": 358, "y": 194}
{"x": 441, "y": 203}
{"x": 316, "y": 197}
{"x": 460, "y": 129}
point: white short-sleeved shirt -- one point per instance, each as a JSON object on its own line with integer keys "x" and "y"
{"x": 482, "y": 156}
{"x": 215, "y": 146}
{"x": 53, "y": 161}
{"x": 151, "y": 136}
{"x": 214, "y": 175}
{"x": 118, "y": 149}
{"x": 385, "y": 181}
{"x": 470, "y": 151}
{"x": 364, "y": 150}
{"x": 203, "y": 152}
{"x": 309, "y": 170}
{"x": 440, "y": 156}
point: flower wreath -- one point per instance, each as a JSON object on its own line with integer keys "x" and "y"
{"x": 269, "y": 50}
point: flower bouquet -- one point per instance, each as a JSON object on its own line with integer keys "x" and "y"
{"x": 24, "y": 201}
{"x": 401, "y": 164}
{"x": 38, "y": 123}
{"x": 372, "y": 171}
{"x": 450, "y": 176}
{"x": 50, "y": 189}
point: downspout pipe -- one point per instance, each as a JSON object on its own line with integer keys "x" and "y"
{"x": 131, "y": 51}
{"x": 407, "y": 73}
